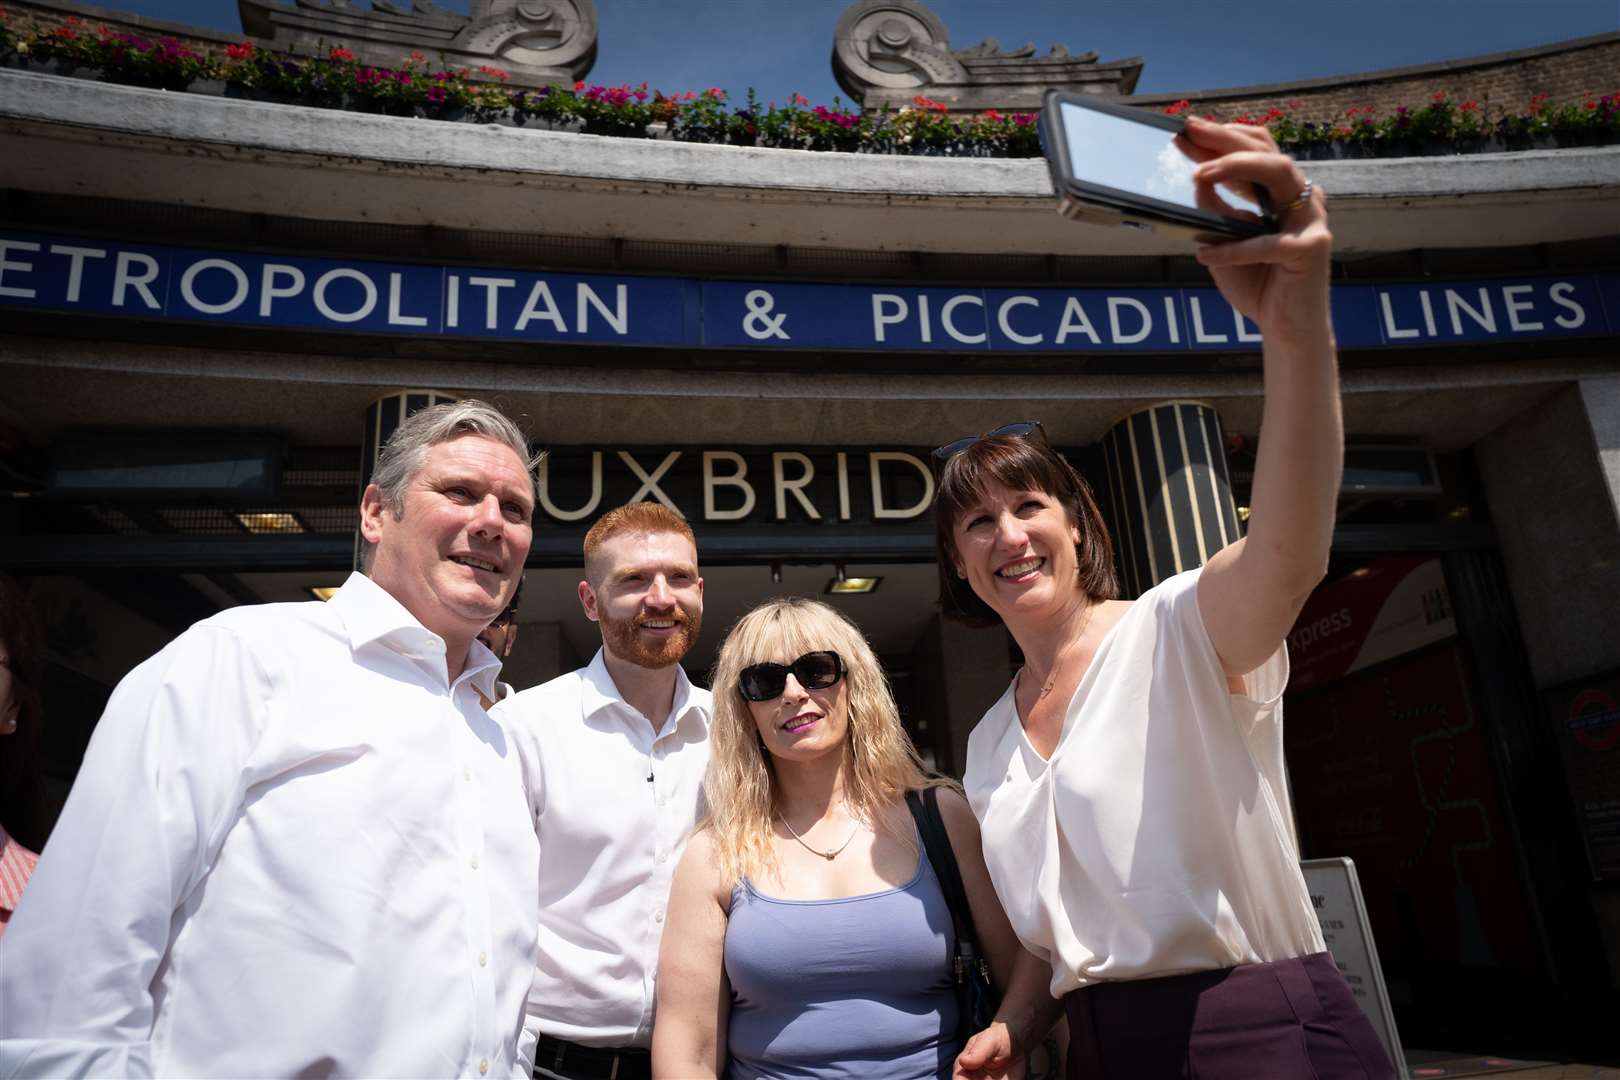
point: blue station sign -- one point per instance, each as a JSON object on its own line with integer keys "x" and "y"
{"x": 194, "y": 285}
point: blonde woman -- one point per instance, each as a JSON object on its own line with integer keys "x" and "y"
{"x": 808, "y": 935}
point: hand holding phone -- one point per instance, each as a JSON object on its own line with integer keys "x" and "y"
{"x": 1118, "y": 164}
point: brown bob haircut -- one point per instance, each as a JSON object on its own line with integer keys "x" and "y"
{"x": 1022, "y": 464}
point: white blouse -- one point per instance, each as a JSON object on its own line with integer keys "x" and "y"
{"x": 1158, "y": 838}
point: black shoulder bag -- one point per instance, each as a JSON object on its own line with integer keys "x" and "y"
{"x": 976, "y": 995}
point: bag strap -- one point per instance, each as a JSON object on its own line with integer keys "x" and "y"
{"x": 924, "y": 808}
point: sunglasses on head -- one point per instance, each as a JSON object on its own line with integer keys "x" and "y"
{"x": 813, "y": 670}
{"x": 1024, "y": 429}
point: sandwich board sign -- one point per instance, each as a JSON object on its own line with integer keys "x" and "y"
{"x": 1336, "y": 896}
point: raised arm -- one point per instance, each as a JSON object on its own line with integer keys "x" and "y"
{"x": 1027, "y": 1009}
{"x": 159, "y": 786}
{"x": 694, "y": 998}
{"x": 1251, "y": 592}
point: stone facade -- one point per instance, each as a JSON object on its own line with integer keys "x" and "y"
{"x": 1566, "y": 71}
{"x": 536, "y": 41}
{"x": 888, "y": 52}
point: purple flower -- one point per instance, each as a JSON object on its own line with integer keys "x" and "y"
{"x": 436, "y": 94}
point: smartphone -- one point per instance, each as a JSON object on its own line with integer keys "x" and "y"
{"x": 1117, "y": 164}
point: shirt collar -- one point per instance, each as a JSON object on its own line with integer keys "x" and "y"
{"x": 600, "y": 692}
{"x": 371, "y": 614}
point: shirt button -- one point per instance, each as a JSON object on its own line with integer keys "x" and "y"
{"x": 472, "y": 861}
{"x": 483, "y": 1066}
{"x": 658, "y": 916}
{"x": 483, "y": 959}
{"x": 663, "y": 856}
{"x": 466, "y": 774}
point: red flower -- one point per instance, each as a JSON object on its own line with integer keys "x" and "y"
{"x": 1178, "y": 108}
{"x": 1296, "y": 103}
{"x": 1470, "y": 105}
{"x": 579, "y": 84}
{"x": 1439, "y": 96}
{"x": 993, "y": 116}
{"x": 1591, "y": 104}
{"x": 1274, "y": 114}
{"x": 243, "y": 51}
{"x": 339, "y": 53}
{"x": 494, "y": 71}
{"x": 66, "y": 33}
{"x": 417, "y": 56}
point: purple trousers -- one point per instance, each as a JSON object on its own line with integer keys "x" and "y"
{"x": 1288, "y": 1020}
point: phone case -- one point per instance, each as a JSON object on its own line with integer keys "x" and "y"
{"x": 1097, "y": 204}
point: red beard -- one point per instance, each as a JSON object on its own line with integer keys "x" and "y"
{"x": 622, "y": 640}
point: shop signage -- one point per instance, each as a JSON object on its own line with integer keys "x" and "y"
{"x": 96, "y": 277}
{"x": 1336, "y": 899}
{"x": 1586, "y": 718}
{"x": 1382, "y": 610}
{"x": 740, "y": 486}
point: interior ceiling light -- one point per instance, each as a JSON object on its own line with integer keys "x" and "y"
{"x": 322, "y": 592}
{"x": 262, "y": 523}
{"x": 846, "y": 584}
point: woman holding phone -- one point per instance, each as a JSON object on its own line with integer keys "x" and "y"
{"x": 1130, "y": 782}
{"x": 808, "y": 933}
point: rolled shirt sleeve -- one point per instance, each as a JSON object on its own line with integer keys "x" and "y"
{"x": 161, "y": 782}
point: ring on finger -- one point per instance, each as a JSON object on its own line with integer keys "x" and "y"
{"x": 1303, "y": 197}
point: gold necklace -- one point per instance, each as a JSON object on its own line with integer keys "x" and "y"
{"x": 831, "y": 853}
{"x": 1057, "y": 665}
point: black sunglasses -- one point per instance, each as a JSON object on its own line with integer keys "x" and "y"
{"x": 814, "y": 670}
{"x": 1024, "y": 429}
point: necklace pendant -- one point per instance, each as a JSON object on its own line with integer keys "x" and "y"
{"x": 828, "y": 855}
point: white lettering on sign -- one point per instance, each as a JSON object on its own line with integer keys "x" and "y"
{"x": 1515, "y": 306}
{"x": 882, "y": 512}
{"x": 1075, "y": 321}
{"x": 396, "y": 317}
{"x": 1115, "y": 304}
{"x": 950, "y": 327}
{"x": 887, "y": 310}
{"x": 76, "y": 256}
{"x": 736, "y": 479}
{"x": 1196, "y": 308}
{"x": 591, "y": 504}
{"x": 649, "y": 482}
{"x": 795, "y": 486}
{"x": 1560, "y": 296}
{"x": 761, "y": 323}
{"x": 188, "y": 286}
{"x": 124, "y": 279}
{"x": 270, "y": 292}
{"x": 540, "y": 306}
{"x": 6, "y": 247}
{"x": 618, "y": 319}
{"x": 843, "y": 486}
{"x": 1004, "y": 320}
{"x": 368, "y": 289}
{"x": 1483, "y": 316}
{"x": 492, "y": 287}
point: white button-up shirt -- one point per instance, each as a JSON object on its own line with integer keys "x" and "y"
{"x": 295, "y": 848}
{"x": 613, "y": 804}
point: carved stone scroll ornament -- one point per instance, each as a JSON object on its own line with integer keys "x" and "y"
{"x": 536, "y": 41}
{"x": 887, "y": 52}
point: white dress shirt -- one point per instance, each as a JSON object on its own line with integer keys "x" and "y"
{"x": 1157, "y": 839}
{"x": 295, "y": 847}
{"x": 613, "y": 804}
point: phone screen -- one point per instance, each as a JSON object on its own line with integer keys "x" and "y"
{"x": 1111, "y": 151}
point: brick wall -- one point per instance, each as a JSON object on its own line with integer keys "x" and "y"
{"x": 1566, "y": 71}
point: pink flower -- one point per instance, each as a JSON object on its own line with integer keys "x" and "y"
{"x": 436, "y": 95}
{"x": 800, "y": 99}
{"x": 716, "y": 93}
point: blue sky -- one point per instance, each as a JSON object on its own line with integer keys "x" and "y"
{"x": 783, "y": 46}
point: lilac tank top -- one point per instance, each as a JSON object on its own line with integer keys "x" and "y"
{"x": 859, "y": 987}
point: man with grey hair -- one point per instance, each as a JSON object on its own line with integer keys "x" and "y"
{"x": 298, "y": 845}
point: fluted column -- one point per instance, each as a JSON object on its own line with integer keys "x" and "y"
{"x": 1168, "y": 492}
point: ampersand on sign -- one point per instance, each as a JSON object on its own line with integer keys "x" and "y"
{"x": 759, "y": 323}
